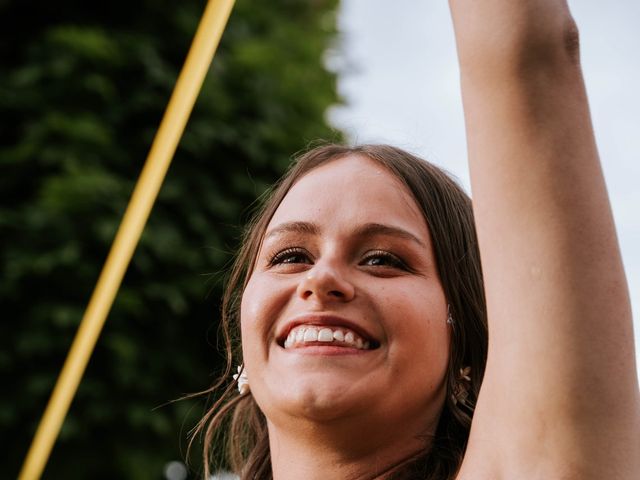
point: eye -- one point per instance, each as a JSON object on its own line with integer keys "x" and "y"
{"x": 381, "y": 258}
{"x": 290, "y": 256}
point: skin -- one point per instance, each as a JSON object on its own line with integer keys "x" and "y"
{"x": 336, "y": 412}
{"x": 559, "y": 314}
{"x": 560, "y": 395}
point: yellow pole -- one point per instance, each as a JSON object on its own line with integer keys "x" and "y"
{"x": 164, "y": 145}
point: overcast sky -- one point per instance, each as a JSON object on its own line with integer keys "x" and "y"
{"x": 400, "y": 83}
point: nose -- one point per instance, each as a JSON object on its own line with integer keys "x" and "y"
{"x": 325, "y": 283}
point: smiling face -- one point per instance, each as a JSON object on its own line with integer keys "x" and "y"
{"x": 344, "y": 317}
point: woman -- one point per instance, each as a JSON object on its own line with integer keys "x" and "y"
{"x": 359, "y": 297}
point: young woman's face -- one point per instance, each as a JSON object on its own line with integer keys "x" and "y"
{"x": 344, "y": 316}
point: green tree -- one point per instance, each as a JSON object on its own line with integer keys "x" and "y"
{"x": 82, "y": 90}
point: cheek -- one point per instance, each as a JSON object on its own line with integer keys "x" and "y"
{"x": 260, "y": 308}
{"x": 419, "y": 322}
{"x": 250, "y": 305}
{"x": 256, "y": 298}
{"x": 251, "y": 311}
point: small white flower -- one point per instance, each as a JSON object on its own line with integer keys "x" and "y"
{"x": 461, "y": 388}
{"x": 242, "y": 379}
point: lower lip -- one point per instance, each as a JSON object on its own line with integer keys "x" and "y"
{"x": 330, "y": 350}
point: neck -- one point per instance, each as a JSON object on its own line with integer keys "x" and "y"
{"x": 318, "y": 450}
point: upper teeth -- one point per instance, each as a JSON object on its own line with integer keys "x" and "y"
{"x": 339, "y": 336}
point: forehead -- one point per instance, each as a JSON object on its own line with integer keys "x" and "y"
{"x": 348, "y": 192}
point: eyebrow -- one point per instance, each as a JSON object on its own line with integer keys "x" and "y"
{"x": 293, "y": 227}
{"x": 371, "y": 229}
{"x": 368, "y": 229}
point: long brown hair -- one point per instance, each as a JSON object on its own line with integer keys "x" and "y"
{"x": 236, "y": 424}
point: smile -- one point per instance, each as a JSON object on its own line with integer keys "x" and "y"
{"x": 309, "y": 335}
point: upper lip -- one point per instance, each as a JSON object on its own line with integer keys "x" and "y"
{"x": 324, "y": 320}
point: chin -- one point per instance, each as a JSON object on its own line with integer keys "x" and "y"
{"x": 318, "y": 400}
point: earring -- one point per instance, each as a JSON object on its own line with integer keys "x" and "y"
{"x": 449, "y": 316}
{"x": 242, "y": 379}
{"x": 461, "y": 388}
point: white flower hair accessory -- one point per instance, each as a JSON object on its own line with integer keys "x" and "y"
{"x": 242, "y": 379}
{"x": 461, "y": 389}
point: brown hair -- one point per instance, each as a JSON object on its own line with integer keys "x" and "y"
{"x": 237, "y": 422}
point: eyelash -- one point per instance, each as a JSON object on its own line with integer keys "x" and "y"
{"x": 279, "y": 257}
{"x": 393, "y": 260}
{"x": 284, "y": 256}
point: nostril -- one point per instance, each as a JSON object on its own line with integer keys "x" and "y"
{"x": 326, "y": 286}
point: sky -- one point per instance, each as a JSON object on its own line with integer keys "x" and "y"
{"x": 398, "y": 76}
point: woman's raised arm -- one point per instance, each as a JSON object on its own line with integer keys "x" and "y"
{"x": 560, "y": 396}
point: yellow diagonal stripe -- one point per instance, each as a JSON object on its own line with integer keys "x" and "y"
{"x": 203, "y": 47}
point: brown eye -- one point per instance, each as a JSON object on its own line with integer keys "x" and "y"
{"x": 290, "y": 256}
{"x": 380, "y": 258}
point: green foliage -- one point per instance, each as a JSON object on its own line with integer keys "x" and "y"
{"x": 82, "y": 90}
